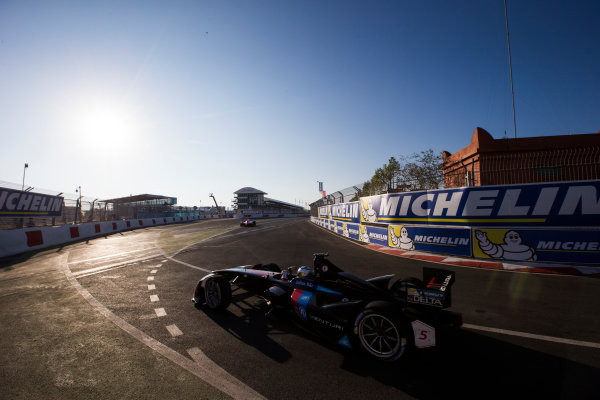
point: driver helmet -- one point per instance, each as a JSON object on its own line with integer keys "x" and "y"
{"x": 305, "y": 272}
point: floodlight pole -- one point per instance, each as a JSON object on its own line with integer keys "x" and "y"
{"x": 24, "y": 169}
{"x": 510, "y": 66}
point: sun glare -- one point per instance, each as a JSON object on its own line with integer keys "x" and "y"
{"x": 106, "y": 127}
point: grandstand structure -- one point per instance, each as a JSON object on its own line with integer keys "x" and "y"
{"x": 249, "y": 200}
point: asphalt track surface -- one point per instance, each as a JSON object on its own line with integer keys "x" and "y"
{"x": 112, "y": 318}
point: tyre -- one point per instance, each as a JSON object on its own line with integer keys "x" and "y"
{"x": 381, "y": 333}
{"x": 199, "y": 296}
{"x": 217, "y": 293}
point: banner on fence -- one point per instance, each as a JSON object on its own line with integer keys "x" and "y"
{"x": 455, "y": 241}
{"x": 17, "y": 203}
{"x": 537, "y": 245}
{"x": 545, "y": 204}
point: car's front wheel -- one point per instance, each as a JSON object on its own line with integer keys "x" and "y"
{"x": 381, "y": 333}
{"x": 217, "y": 293}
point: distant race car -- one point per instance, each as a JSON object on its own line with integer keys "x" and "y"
{"x": 381, "y": 318}
{"x": 248, "y": 223}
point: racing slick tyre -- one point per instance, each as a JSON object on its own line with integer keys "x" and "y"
{"x": 217, "y": 293}
{"x": 381, "y": 333}
{"x": 199, "y": 297}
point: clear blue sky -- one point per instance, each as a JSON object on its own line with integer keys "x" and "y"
{"x": 185, "y": 98}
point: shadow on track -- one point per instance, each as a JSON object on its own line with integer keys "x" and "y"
{"x": 249, "y": 325}
{"x": 470, "y": 365}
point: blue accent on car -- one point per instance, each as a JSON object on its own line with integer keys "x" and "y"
{"x": 303, "y": 284}
{"x": 325, "y": 290}
{"x": 303, "y": 301}
{"x": 345, "y": 342}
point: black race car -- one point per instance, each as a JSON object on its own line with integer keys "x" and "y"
{"x": 381, "y": 317}
{"x": 248, "y": 223}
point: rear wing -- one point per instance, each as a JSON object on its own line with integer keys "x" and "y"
{"x": 436, "y": 289}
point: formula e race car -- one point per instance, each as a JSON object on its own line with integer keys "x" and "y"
{"x": 248, "y": 223}
{"x": 380, "y": 317}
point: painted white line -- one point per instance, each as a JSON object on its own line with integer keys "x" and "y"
{"x": 174, "y": 330}
{"x": 533, "y": 336}
{"x": 164, "y": 261}
{"x": 158, "y": 265}
{"x": 154, "y": 271}
{"x": 231, "y": 384}
{"x": 150, "y": 278}
{"x": 154, "y": 298}
{"x": 151, "y": 287}
{"x": 103, "y": 268}
{"x": 110, "y": 256}
{"x": 160, "y": 312}
{"x": 223, "y": 383}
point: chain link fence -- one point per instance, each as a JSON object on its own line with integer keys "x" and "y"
{"x": 77, "y": 209}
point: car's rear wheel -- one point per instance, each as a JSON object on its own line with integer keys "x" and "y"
{"x": 217, "y": 293}
{"x": 381, "y": 333}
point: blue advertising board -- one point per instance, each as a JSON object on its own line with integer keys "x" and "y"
{"x": 455, "y": 241}
{"x": 17, "y": 203}
{"x": 542, "y": 245}
{"x": 348, "y": 212}
{"x": 545, "y": 204}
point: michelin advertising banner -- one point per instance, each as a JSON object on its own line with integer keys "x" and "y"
{"x": 573, "y": 204}
{"x": 537, "y": 245}
{"x": 16, "y": 203}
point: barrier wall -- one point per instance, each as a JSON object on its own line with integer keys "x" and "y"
{"x": 17, "y": 241}
{"x": 549, "y": 222}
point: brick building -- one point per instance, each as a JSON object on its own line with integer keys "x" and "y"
{"x": 489, "y": 161}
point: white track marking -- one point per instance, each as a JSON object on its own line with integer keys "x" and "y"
{"x": 174, "y": 330}
{"x": 533, "y": 336}
{"x": 154, "y": 298}
{"x": 151, "y": 287}
{"x": 233, "y": 385}
{"x": 97, "y": 270}
{"x": 110, "y": 256}
{"x": 222, "y": 382}
{"x": 154, "y": 271}
{"x": 150, "y": 278}
{"x": 160, "y": 312}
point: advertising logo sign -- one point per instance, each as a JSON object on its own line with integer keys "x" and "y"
{"x": 16, "y": 203}
{"x": 537, "y": 245}
{"x": 348, "y": 212}
{"x": 455, "y": 241}
{"x": 544, "y": 204}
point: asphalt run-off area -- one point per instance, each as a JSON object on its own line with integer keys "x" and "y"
{"x": 111, "y": 317}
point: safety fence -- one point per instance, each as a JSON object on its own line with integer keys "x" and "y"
{"x": 79, "y": 209}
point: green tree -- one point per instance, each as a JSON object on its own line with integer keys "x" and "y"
{"x": 421, "y": 171}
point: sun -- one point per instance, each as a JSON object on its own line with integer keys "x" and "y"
{"x": 106, "y": 126}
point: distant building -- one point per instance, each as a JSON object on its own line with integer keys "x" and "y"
{"x": 251, "y": 199}
{"x": 489, "y": 161}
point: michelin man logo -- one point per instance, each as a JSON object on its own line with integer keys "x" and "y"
{"x": 368, "y": 213}
{"x": 364, "y": 236}
{"x": 513, "y": 249}
{"x": 402, "y": 240}
{"x": 345, "y": 231}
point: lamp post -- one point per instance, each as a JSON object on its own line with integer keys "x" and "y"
{"x": 24, "y": 169}
{"x": 78, "y": 204}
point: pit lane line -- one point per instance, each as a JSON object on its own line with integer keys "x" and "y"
{"x": 202, "y": 366}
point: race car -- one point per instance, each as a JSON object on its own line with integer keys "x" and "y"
{"x": 381, "y": 317}
{"x": 248, "y": 223}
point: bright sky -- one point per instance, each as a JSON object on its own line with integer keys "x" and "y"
{"x": 187, "y": 98}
